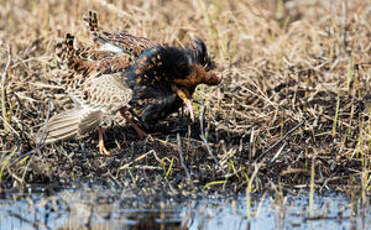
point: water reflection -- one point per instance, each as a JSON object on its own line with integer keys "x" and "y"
{"x": 92, "y": 210}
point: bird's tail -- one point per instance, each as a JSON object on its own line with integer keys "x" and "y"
{"x": 72, "y": 59}
{"x": 65, "y": 125}
{"x": 65, "y": 51}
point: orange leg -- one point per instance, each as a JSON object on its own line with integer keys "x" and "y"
{"x": 102, "y": 149}
{"x": 140, "y": 132}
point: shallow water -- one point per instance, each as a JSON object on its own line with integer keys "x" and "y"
{"x": 94, "y": 210}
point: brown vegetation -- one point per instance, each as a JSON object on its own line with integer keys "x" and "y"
{"x": 295, "y": 94}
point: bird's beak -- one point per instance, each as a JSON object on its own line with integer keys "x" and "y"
{"x": 187, "y": 101}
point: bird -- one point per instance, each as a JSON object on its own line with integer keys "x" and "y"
{"x": 97, "y": 95}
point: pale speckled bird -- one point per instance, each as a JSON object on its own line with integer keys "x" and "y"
{"x": 96, "y": 96}
{"x": 162, "y": 77}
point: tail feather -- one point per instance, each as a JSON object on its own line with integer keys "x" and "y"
{"x": 91, "y": 21}
{"x": 65, "y": 51}
{"x": 199, "y": 55}
{"x": 69, "y": 124}
{"x": 61, "y": 54}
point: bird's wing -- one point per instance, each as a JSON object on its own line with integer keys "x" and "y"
{"x": 152, "y": 91}
{"x": 69, "y": 124}
{"x": 86, "y": 60}
{"x": 106, "y": 92}
{"x": 121, "y": 42}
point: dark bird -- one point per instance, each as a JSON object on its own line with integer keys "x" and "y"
{"x": 165, "y": 77}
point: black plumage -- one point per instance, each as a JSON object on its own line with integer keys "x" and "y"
{"x": 164, "y": 77}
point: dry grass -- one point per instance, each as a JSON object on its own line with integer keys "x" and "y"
{"x": 303, "y": 62}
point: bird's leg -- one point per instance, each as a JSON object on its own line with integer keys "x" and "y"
{"x": 139, "y": 131}
{"x": 188, "y": 103}
{"x": 102, "y": 149}
{"x": 143, "y": 124}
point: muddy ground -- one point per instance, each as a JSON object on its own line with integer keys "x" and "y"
{"x": 293, "y": 108}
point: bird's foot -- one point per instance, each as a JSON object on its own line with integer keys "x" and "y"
{"x": 102, "y": 149}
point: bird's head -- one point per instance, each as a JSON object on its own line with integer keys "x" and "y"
{"x": 185, "y": 87}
